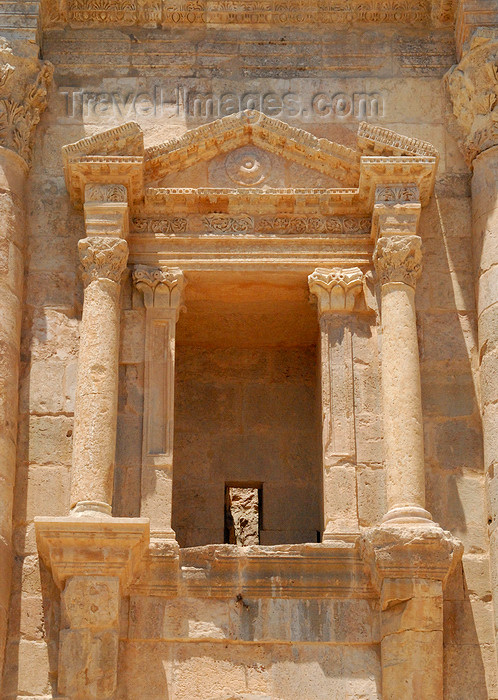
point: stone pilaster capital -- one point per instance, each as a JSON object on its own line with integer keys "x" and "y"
{"x": 162, "y": 287}
{"x": 24, "y": 84}
{"x": 410, "y": 551}
{"x": 398, "y": 259}
{"x": 336, "y": 289}
{"x": 473, "y": 89}
{"x": 102, "y": 257}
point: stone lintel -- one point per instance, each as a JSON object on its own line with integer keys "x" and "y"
{"x": 92, "y": 546}
{"x": 410, "y": 552}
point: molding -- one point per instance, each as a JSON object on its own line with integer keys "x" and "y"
{"x": 289, "y": 571}
{"x": 398, "y": 259}
{"x": 473, "y": 89}
{"x": 105, "y": 193}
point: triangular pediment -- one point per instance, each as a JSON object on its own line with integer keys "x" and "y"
{"x": 250, "y": 152}
{"x": 253, "y": 132}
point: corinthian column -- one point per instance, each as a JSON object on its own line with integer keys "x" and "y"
{"x": 162, "y": 289}
{"x": 398, "y": 260}
{"x": 103, "y": 260}
{"x": 337, "y": 291}
{"x": 473, "y": 87}
{"x": 23, "y": 91}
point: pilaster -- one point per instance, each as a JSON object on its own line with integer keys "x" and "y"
{"x": 23, "y": 91}
{"x": 337, "y": 291}
{"x": 410, "y": 564}
{"x": 162, "y": 290}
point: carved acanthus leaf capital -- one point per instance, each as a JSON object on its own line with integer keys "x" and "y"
{"x": 473, "y": 88}
{"x": 107, "y": 193}
{"x": 102, "y": 257}
{"x": 336, "y": 289}
{"x": 398, "y": 259}
{"x": 162, "y": 287}
{"x": 24, "y": 84}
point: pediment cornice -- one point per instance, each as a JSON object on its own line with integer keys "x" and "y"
{"x": 382, "y": 157}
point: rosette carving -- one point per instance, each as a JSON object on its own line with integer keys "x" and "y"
{"x": 398, "y": 259}
{"x": 102, "y": 258}
{"x": 336, "y": 289}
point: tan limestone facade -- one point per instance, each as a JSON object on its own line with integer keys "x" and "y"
{"x": 248, "y": 350}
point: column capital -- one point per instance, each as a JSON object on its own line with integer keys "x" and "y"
{"x": 162, "y": 287}
{"x": 336, "y": 289}
{"x": 473, "y": 88}
{"x": 24, "y": 83}
{"x": 398, "y": 259}
{"x": 410, "y": 552}
{"x": 102, "y": 257}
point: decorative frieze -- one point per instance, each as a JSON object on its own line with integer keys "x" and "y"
{"x": 240, "y": 12}
{"x": 105, "y": 193}
{"x": 398, "y": 259}
{"x": 473, "y": 88}
{"x": 232, "y": 224}
{"x": 102, "y": 258}
{"x": 396, "y": 194}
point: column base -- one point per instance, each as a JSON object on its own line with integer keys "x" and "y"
{"x": 166, "y": 534}
{"x": 90, "y": 508}
{"x": 341, "y": 538}
{"x": 409, "y": 514}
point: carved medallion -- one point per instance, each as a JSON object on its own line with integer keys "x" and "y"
{"x": 248, "y": 166}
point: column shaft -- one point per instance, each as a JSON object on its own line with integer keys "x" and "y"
{"x": 103, "y": 259}
{"x": 398, "y": 262}
{"x": 485, "y": 235}
{"x": 403, "y": 427}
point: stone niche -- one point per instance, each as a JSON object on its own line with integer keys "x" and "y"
{"x": 247, "y": 408}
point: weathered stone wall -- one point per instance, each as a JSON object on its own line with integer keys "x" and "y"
{"x": 202, "y": 646}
